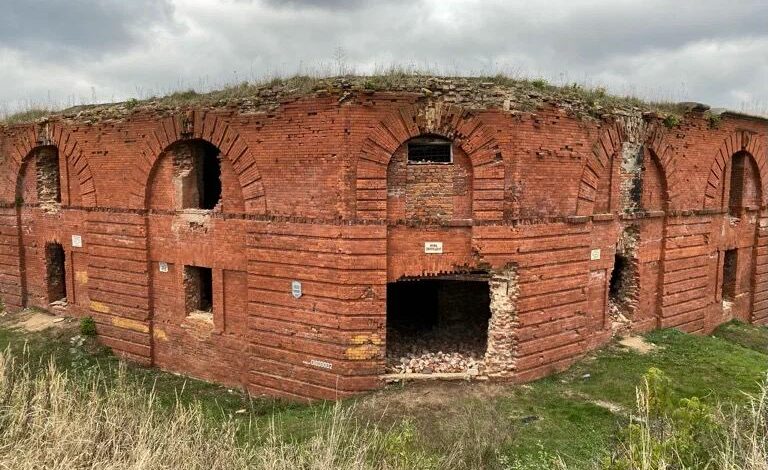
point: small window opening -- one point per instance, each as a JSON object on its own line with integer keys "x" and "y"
{"x": 729, "y": 276}
{"x": 198, "y": 167}
{"x": 56, "y": 274}
{"x": 48, "y": 181}
{"x": 198, "y": 291}
{"x": 736, "y": 194}
{"x": 437, "y": 325}
{"x": 429, "y": 150}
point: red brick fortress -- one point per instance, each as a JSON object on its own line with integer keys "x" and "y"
{"x": 311, "y": 244}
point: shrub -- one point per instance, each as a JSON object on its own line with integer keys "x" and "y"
{"x": 672, "y": 120}
{"x": 87, "y": 326}
{"x": 540, "y": 83}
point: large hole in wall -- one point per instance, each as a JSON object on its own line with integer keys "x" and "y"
{"x": 198, "y": 291}
{"x": 48, "y": 180}
{"x": 437, "y": 325}
{"x": 198, "y": 173}
{"x": 623, "y": 288}
{"x": 729, "y": 277}
{"x": 56, "y": 279}
{"x": 618, "y": 274}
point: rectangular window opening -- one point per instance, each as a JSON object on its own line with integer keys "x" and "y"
{"x": 429, "y": 151}
{"x": 56, "y": 275}
{"x": 729, "y": 276}
{"x": 198, "y": 291}
{"x": 437, "y": 325}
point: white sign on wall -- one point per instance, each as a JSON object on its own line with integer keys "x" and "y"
{"x": 163, "y": 266}
{"x": 296, "y": 289}
{"x": 77, "y": 241}
{"x": 594, "y": 254}
{"x": 433, "y": 247}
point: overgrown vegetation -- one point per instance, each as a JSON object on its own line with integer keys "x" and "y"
{"x": 522, "y": 93}
{"x": 668, "y": 432}
{"x": 71, "y": 403}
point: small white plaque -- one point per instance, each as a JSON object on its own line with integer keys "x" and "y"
{"x": 433, "y": 247}
{"x": 77, "y": 241}
{"x": 163, "y": 266}
{"x": 594, "y": 254}
{"x": 296, "y": 289}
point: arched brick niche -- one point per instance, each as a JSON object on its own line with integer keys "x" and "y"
{"x": 463, "y": 128}
{"x": 595, "y": 186}
{"x": 655, "y": 195}
{"x": 738, "y": 143}
{"x": 173, "y": 180}
{"x": 429, "y": 192}
{"x": 661, "y": 152}
{"x": 75, "y": 174}
{"x": 208, "y": 128}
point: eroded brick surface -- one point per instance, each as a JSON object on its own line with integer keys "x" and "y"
{"x": 320, "y": 210}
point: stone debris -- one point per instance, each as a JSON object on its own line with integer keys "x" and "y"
{"x": 59, "y": 305}
{"x": 438, "y": 351}
{"x": 620, "y": 323}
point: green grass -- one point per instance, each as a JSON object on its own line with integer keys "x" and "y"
{"x": 576, "y": 415}
{"x": 745, "y": 335}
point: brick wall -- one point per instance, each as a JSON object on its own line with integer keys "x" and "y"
{"x": 319, "y": 193}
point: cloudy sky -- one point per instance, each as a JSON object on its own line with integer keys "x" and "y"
{"x": 62, "y": 52}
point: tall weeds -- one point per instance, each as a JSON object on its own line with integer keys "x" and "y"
{"x": 670, "y": 433}
{"x": 51, "y": 421}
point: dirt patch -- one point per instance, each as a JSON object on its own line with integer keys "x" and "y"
{"x": 34, "y": 321}
{"x": 418, "y": 398}
{"x": 637, "y": 344}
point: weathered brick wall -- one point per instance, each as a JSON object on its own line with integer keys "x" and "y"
{"x": 319, "y": 192}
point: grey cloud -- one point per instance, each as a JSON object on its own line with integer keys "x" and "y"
{"x": 50, "y": 28}
{"x": 323, "y": 4}
{"x": 704, "y": 50}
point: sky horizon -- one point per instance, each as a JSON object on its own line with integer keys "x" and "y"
{"x": 90, "y": 51}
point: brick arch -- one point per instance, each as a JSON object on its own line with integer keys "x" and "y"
{"x": 739, "y": 141}
{"x": 663, "y": 153}
{"x": 608, "y": 145}
{"x": 55, "y": 134}
{"x": 213, "y": 129}
{"x": 597, "y": 166}
{"x": 452, "y": 122}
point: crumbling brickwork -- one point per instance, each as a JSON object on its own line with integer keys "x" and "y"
{"x": 319, "y": 210}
